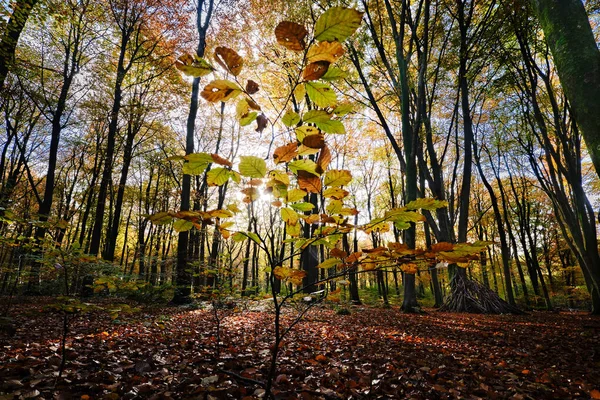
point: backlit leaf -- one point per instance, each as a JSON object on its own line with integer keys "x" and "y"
{"x": 323, "y": 160}
{"x": 193, "y": 66}
{"x": 252, "y": 167}
{"x": 335, "y": 193}
{"x": 321, "y": 94}
{"x": 337, "y": 24}
{"x": 426, "y": 204}
{"x": 220, "y": 160}
{"x": 229, "y": 59}
{"x": 304, "y": 131}
{"x": 309, "y": 182}
{"x": 289, "y": 216}
{"x": 291, "y": 35}
{"x": 220, "y": 90}
{"x": 285, "y": 153}
{"x": 290, "y": 118}
{"x": 280, "y": 176}
{"x": 337, "y": 177}
{"x": 315, "y": 70}
{"x": 325, "y": 51}
{"x": 295, "y": 195}
{"x": 304, "y": 206}
{"x": 217, "y": 176}
{"x": 333, "y": 74}
{"x": 290, "y": 275}
{"x": 248, "y": 119}
{"x": 303, "y": 165}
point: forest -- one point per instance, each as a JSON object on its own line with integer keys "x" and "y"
{"x": 311, "y": 199}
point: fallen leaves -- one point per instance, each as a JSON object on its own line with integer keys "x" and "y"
{"x": 372, "y": 353}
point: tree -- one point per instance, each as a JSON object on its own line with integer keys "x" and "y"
{"x": 10, "y": 37}
{"x": 575, "y": 52}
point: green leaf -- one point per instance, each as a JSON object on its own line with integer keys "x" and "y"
{"x": 337, "y": 23}
{"x": 316, "y": 116}
{"x": 290, "y": 118}
{"x": 196, "y": 163}
{"x": 303, "y": 165}
{"x": 241, "y": 236}
{"x": 333, "y": 74}
{"x": 248, "y": 119}
{"x": 252, "y": 167}
{"x": 181, "y": 225}
{"x": 304, "y": 206}
{"x": 343, "y": 109}
{"x": 217, "y": 176}
{"x": 332, "y": 126}
{"x": 193, "y": 66}
{"x": 321, "y": 94}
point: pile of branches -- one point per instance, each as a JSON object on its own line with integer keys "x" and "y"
{"x": 470, "y": 296}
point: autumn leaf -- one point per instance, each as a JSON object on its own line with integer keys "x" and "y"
{"x": 334, "y": 74}
{"x": 315, "y": 70}
{"x": 288, "y": 274}
{"x": 325, "y": 51}
{"x": 220, "y": 160}
{"x": 337, "y": 177}
{"x": 290, "y": 118}
{"x": 217, "y": 176}
{"x": 289, "y": 216}
{"x": 295, "y": 195}
{"x": 303, "y": 165}
{"x": 304, "y": 206}
{"x": 291, "y": 35}
{"x": 323, "y": 160}
{"x": 337, "y": 24}
{"x": 193, "y": 66}
{"x": 338, "y": 253}
{"x": 330, "y": 263}
{"x": 252, "y": 167}
{"x": 285, "y": 153}
{"x": 426, "y": 204}
{"x": 220, "y": 90}
{"x": 261, "y": 122}
{"x": 251, "y": 88}
{"x": 304, "y": 131}
{"x": 229, "y": 59}
{"x": 309, "y": 182}
{"x": 314, "y": 141}
{"x": 335, "y": 193}
{"x": 182, "y": 225}
{"x": 441, "y": 246}
{"x": 280, "y": 176}
{"x": 321, "y": 94}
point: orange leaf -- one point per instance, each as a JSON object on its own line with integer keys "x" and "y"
{"x": 595, "y": 394}
{"x": 525, "y": 372}
{"x": 354, "y": 257}
{"x": 442, "y": 246}
{"x": 315, "y": 70}
{"x": 220, "y": 160}
{"x": 321, "y": 358}
{"x": 291, "y": 35}
{"x": 309, "y": 182}
{"x": 285, "y": 153}
{"x": 229, "y": 59}
{"x": 325, "y": 51}
{"x": 323, "y": 160}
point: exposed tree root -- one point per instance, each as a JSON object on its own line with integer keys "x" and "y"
{"x": 472, "y": 297}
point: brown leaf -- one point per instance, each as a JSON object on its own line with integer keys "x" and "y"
{"x": 291, "y": 35}
{"x": 252, "y": 87}
{"x": 323, "y": 160}
{"x": 220, "y": 160}
{"x": 441, "y": 246}
{"x": 229, "y": 59}
{"x": 309, "y": 182}
{"x": 261, "y": 122}
{"x": 315, "y": 70}
{"x": 285, "y": 153}
{"x": 338, "y": 253}
{"x": 314, "y": 141}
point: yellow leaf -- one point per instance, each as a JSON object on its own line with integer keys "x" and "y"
{"x": 252, "y": 167}
{"x": 325, "y": 51}
{"x": 280, "y": 176}
{"x": 288, "y": 274}
{"x": 193, "y": 66}
{"x": 220, "y": 90}
{"x": 295, "y": 195}
{"x": 289, "y": 216}
{"x": 337, "y": 177}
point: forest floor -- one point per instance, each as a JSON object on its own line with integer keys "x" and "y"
{"x": 170, "y": 353}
